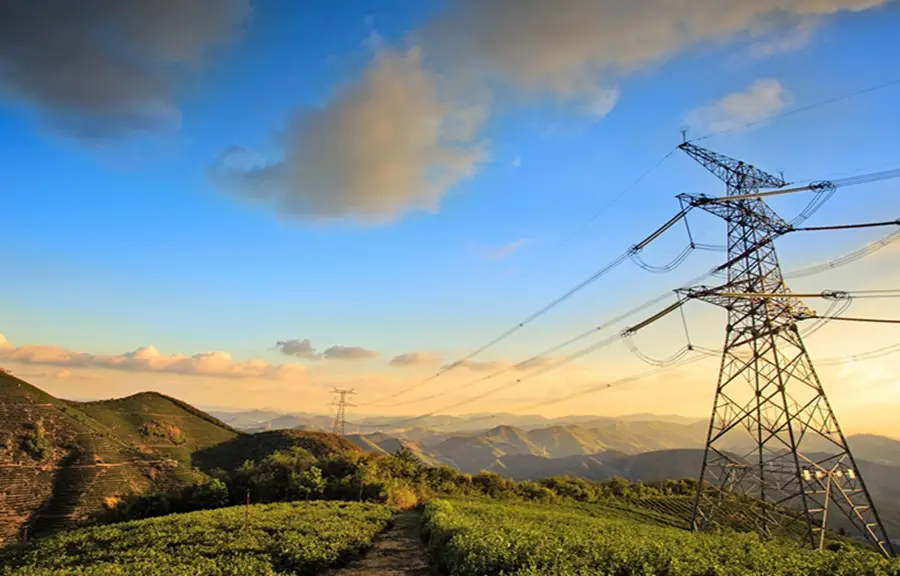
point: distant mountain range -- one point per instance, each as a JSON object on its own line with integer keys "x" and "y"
{"x": 255, "y": 420}
{"x": 61, "y": 460}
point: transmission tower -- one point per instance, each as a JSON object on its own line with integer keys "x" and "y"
{"x": 342, "y": 404}
{"x": 773, "y": 439}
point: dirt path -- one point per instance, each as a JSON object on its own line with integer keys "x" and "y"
{"x": 397, "y": 552}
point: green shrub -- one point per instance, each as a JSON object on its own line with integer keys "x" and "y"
{"x": 35, "y": 442}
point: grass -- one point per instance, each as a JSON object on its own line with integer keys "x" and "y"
{"x": 472, "y": 537}
{"x": 288, "y": 538}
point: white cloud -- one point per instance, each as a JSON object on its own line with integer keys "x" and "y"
{"x": 504, "y": 251}
{"x": 149, "y": 359}
{"x": 761, "y": 100}
{"x": 516, "y": 162}
{"x": 602, "y": 102}
{"x": 374, "y": 41}
{"x": 415, "y": 359}
{"x": 390, "y": 143}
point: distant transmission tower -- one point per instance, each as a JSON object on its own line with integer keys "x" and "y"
{"x": 799, "y": 467}
{"x": 340, "y": 417}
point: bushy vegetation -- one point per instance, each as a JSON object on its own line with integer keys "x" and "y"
{"x": 487, "y": 538}
{"x": 163, "y": 430}
{"x": 297, "y": 538}
{"x": 400, "y": 480}
{"x": 35, "y": 442}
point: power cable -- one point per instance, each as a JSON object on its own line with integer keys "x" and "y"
{"x": 633, "y": 253}
{"x": 596, "y": 215}
{"x": 593, "y": 389}
{"x": 871, "y": 320}
{"x": 869, "y": 355}
{"x": 543, "y": 354}
{"x": 547, "y": 308}
{"x": 848, "y": 258}
{"x": 570, "y": 358}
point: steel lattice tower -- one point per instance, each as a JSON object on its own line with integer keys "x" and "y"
{"x": 773, "y": 438}
{"x": 341, "y": 414}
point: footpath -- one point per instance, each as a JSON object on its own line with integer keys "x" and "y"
{"x": 398, "y": 551}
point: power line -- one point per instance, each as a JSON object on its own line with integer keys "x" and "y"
{"x": 570, "y": 358}
{"x": 862, "y": 356}
{"x": 799, "y": 110}
{"x": 552, "y": 349}
{"x": 869, "y": 320}
{"x": 635, "y": 249}
{"x": 589, "y": 389}
{"x": 546, "y": 308}
{"x": 631, "y": 252}
{"x": 596, "y": 215}
{"x": 848, "y": 258}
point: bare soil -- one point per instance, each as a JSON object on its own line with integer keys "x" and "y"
{"x": 397, "y": 551}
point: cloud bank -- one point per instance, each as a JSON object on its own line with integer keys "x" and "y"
{"x": 577, "y": 50}
{"x": 399, "y": 138}
{"x": 149, "y": 359}
{"x": 100, "y": 69}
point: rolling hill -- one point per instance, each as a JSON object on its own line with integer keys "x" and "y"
{"x": 62, "y": 461}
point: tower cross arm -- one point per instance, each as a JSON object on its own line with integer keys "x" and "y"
{"x": 733, "y": 172}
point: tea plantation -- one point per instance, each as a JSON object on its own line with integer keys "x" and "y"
{"x": 287, "y": 538}
{"x": 477, "y": 538}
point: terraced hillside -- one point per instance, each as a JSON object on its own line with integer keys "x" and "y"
{"x": 62, "y": 461}
{"x": 158, "y": 423}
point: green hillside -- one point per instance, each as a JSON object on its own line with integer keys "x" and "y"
{"x": 61, "y": 462}
{"x": 157, "y": 423}
{"x": 233, "y": 452}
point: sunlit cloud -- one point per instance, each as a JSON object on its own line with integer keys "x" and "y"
{"x": 392, "y": 142}
{"x": 149, "y": 359}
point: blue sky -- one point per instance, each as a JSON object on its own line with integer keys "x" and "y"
{"x": 125, "y": 241}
